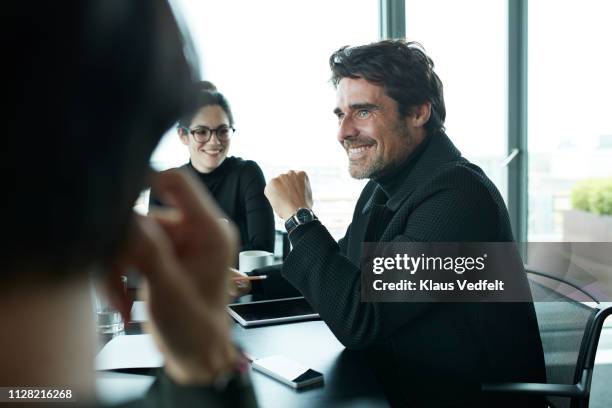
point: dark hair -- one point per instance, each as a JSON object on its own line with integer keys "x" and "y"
{"x": 75, "y": 157}
{"x": 402, "y": 68}
{"x": 206, "y": 94}
{"x": 206, "y": 86}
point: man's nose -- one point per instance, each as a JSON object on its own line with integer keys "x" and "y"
{"x": 346, "y": 129}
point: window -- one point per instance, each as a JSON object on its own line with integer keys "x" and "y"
{"x": 570, "y": 120}
{"x": 270, "y": 59}
{"x": 468, "y": 42}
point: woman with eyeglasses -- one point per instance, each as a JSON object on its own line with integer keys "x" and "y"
{"x": 236, "y": 184}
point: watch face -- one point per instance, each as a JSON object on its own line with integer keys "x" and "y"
{"x": 303, "y": 215}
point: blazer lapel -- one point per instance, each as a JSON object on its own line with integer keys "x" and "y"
{"x": 378, "y": 217}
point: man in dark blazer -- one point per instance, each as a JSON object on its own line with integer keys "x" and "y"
{"x": 391, "y": 113}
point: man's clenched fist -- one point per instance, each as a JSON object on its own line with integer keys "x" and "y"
{"x": 289, "y": 192}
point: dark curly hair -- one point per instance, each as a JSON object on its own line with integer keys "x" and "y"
{"x": 402, "y": 68}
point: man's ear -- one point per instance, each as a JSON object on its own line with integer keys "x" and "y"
{"x": 420, "y": 115}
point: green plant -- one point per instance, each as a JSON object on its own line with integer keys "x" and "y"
{"x": 593, "y": 195}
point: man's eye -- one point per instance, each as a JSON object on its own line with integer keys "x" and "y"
{"x": 201, "y": 132}
{"x": 363, "y": 113}
{"x": 340, "y": 116}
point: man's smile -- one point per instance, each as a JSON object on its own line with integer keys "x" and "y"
{"x": 358, "y": 152}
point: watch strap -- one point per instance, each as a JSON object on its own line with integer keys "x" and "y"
{"x": 294, "y": 221}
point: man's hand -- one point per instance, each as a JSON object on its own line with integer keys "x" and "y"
{"x": 289, "y": 192}
{"x": 185, "y": 256}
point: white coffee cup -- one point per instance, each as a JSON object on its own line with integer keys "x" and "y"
{"x": 249, "y": 260}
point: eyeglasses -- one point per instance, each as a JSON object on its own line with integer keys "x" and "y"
{"x": 202, "y": 134}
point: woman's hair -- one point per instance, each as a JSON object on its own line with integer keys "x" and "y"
{"x": 206, "y": 94}
{"x": 206, "y": 86}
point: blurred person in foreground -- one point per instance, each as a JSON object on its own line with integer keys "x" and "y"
{"x": 93, "y": 85}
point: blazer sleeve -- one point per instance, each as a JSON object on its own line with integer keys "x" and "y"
{"x": 258, "y": 211}
{"x": 332, "y": 284}
{"x": 276, "y": 286}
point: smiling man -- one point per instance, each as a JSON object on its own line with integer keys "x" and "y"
{"x": 377, "y": 140}
{"x": 391, "y": 112}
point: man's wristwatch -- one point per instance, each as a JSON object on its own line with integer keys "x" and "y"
{"x": 302, "y": 216}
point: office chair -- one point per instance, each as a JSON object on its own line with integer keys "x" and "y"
{"x": 570, "y": 332}
{"x": 282, "y": 246}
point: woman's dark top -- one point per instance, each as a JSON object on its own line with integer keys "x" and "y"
{"x": 238, "y": 187}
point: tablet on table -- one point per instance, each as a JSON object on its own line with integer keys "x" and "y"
{"x": 272, "y": 311}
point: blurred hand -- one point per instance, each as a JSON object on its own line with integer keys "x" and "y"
{"x": 184, "y": 256}
{"x": 289, "y": 192}
{"x": 238, "y": 287}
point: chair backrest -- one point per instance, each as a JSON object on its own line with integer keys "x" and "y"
{"x": 562, "y": 322}
{"x": 282, "y": 245}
